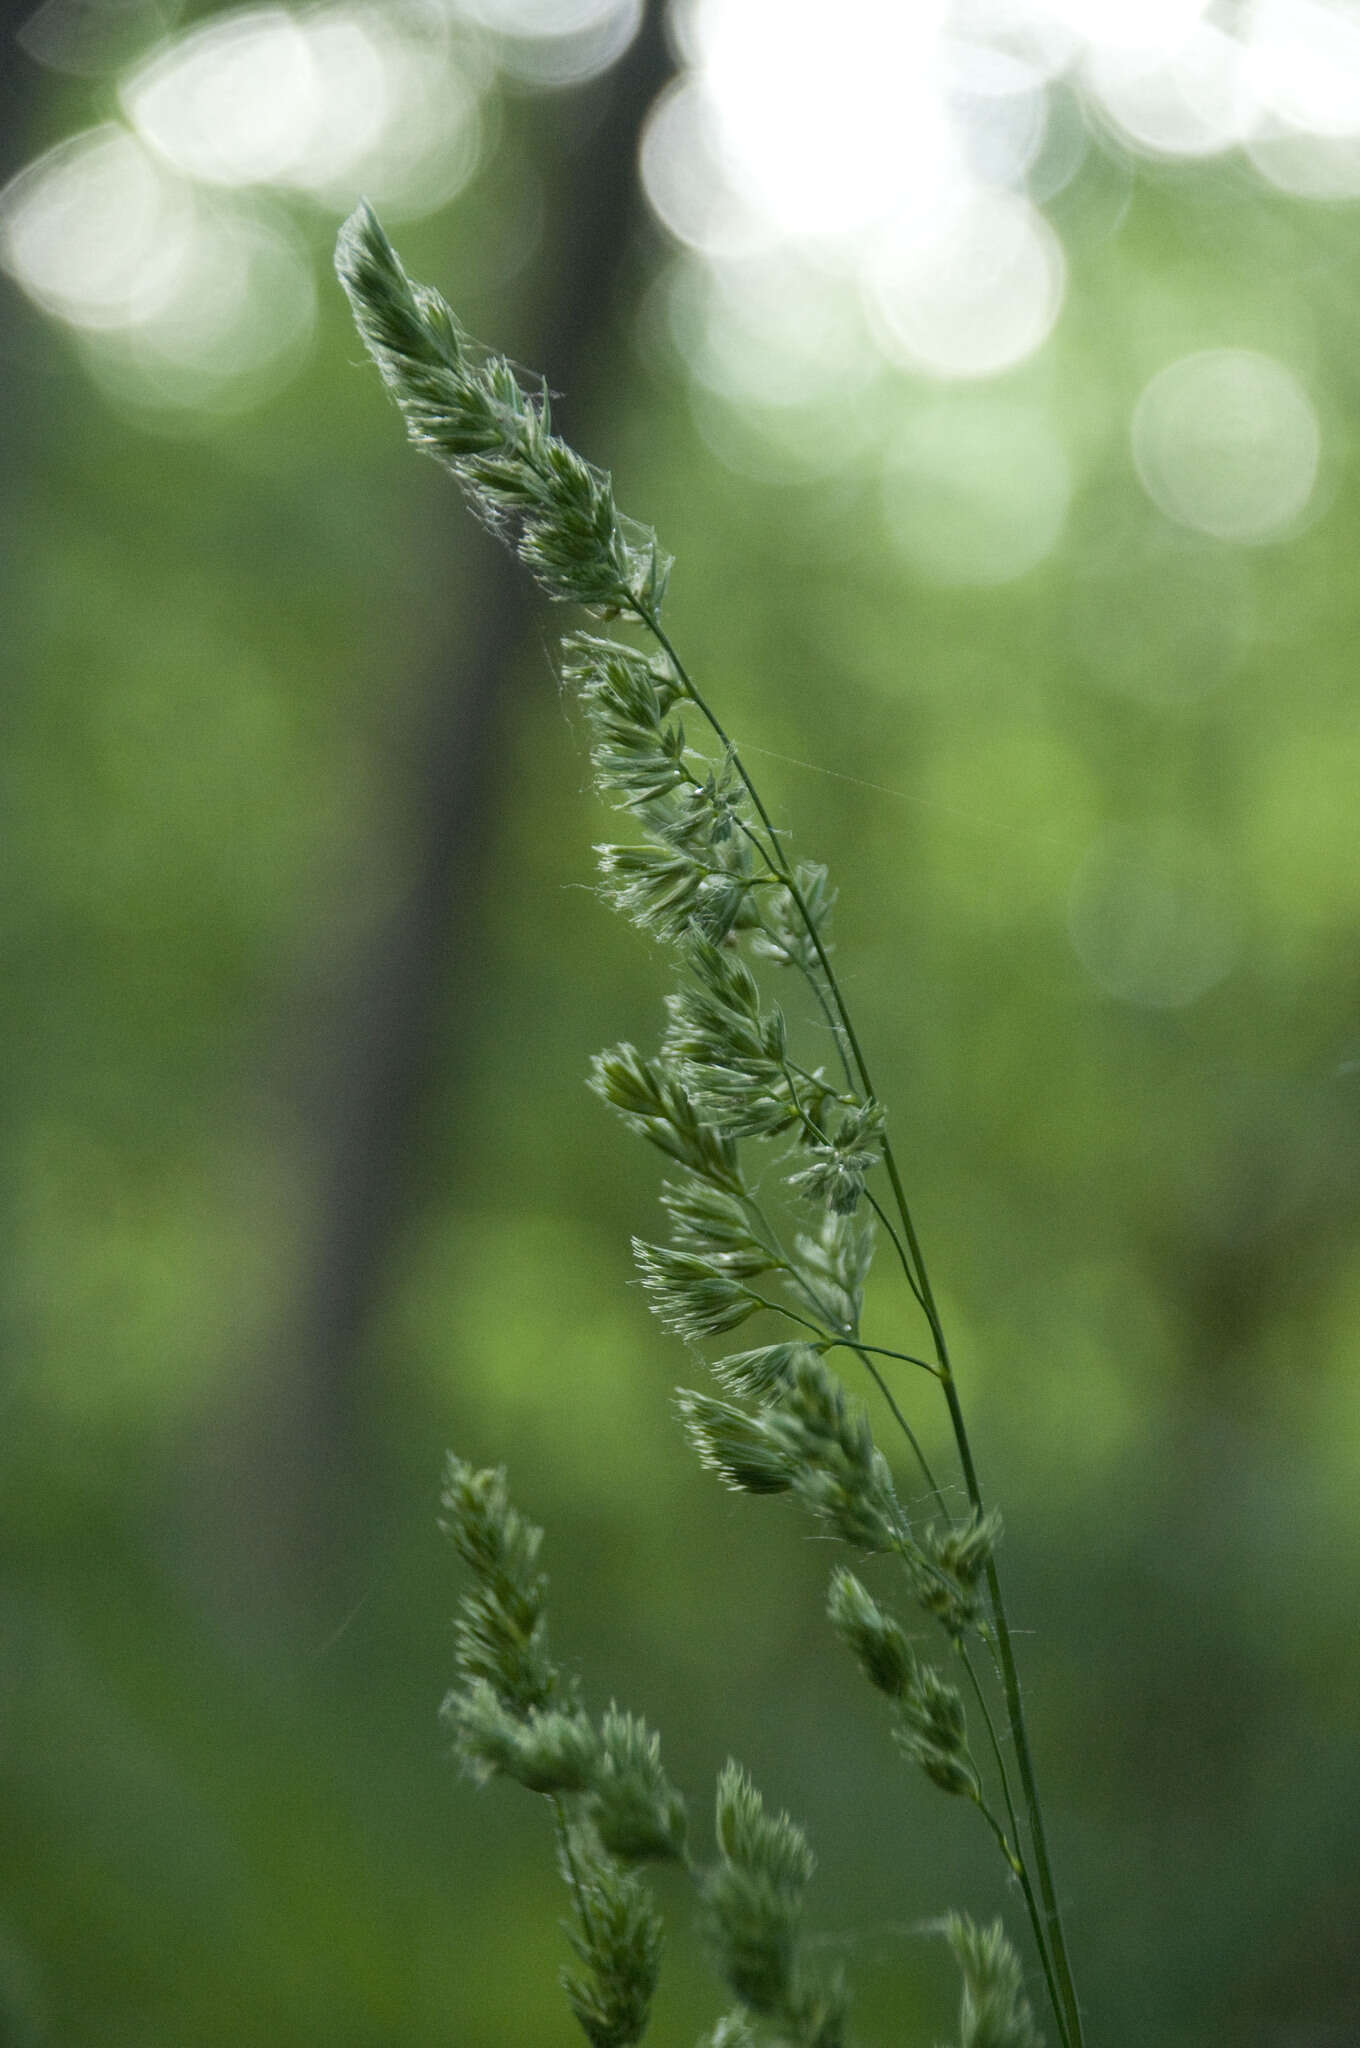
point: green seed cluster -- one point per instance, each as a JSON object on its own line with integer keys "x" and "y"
{"x": 774, "y": 1155}
{"x": 994, "y": 2012}
{"x": 467, "y": 408}
{"x": 616, "y": 1810}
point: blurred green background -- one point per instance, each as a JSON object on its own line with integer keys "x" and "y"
{"x": 991, "y": 372}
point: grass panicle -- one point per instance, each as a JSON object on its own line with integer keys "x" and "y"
{"x": 782, "y": 1182}
{"x": 615, "y": 1812}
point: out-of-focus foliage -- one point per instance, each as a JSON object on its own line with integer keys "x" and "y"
{"x": 1094, "y": 832}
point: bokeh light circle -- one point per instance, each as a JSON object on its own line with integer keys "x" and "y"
{"x": 1194, "y": 99}
{"x": 772, "y": 332}
{"x": 976, "y": 294}
{"x": 1310, "y": 166}
{"x": 234, "y": 102}
{"x": 828, "y": 125}
{"x": 978, "y": 489}
{"x": 553, "y": 43}
{"x": 1304, "y": 64}
{"x": 95, "y": 230}
{"x": 1227, "y": 442}
{"x": 236, "y": 328}
{"x": 331, "y": 102}
{"x": 247, "y": 302}
{"x": 686, "y": 177}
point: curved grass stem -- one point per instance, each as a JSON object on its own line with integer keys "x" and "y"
{"x": 1047, "y": 1923}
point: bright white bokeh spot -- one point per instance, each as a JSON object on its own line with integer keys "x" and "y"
{"x": 999, "y": 134}
{"x": 330, "y": 101}
{"x": 1227, "y": 442}
{"x": 233, "y": 102}
{"x": 240, "y": 323}
{"x": 128, "y": 234}
{"x": 976, "y": 295}
{"x": 557, "y": 42}
{"x": 771, "y": 331}
{"x": 545, "y": 19}
{"x": 1192, "y": 101}
{"x": 353, "y": 96}
{"x": 95, "y": 230}
{"x": 1127, "y": 24}
{"x": 828, "y": 127}
{"x": 1309, "y": 166}
{"x": 1304, "y": 63}
{"x": 1153, "y": 916}
{"x": 247, "y": 300}
{"x": 984, "y": 65}
{"x": 687, "y": 179}
{"x": 1033, "y": 39}
{"x": 977, "y": 490}
{"x": 428, "y": 141}
{"x": 885, "y": 125}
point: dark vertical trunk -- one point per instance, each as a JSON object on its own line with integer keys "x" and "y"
{"x": 300, "y": 1474}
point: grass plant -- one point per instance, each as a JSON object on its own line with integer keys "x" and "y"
{"x": 781, "y": 1177}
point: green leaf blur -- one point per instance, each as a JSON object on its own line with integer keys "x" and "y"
{"x": 255, "y": 1281}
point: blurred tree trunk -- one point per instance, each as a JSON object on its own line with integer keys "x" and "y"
{"x": 297, "y": 1479}
{"x": 19, "y": 77}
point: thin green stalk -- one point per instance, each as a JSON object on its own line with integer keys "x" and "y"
{"x": 994, "y": 1741}
{"x": 881, "y": 1351}
{"x": 663, "y": 640}
{"x": 837, "y": 1017}
{"x": 1065, "y": 2004}
{"x": 1009, "y": 1672}
{"x": 899, "y": 1418}
{"x": 1067, "y": 2008}
{"x": 1017, "y": 1861}
{"x": 780, "y": 1308}
{"x": 872, "y": 1199}
{"x": 830, "y": 1016}
{"x": 468, "y": 409}
{"x": 1015, "y": 1712}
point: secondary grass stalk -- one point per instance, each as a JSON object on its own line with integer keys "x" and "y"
{"x": 1049, "y": 1932}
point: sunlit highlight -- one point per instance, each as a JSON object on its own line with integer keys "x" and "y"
{"x": 1304, "y": 60}
{"x": 95, "y": 231}
{"x": 322, "y": 102}
{"x": 900, "y": 156}
{"x": 977, "y": 489}
{"x": 917, "y": 140}
{"x": 1191, "y": 101}
{"x": 234, "y": 102}
{"x": 1227, "y": 442}
{"x": 687, "y": 175}
{"x": 155, "y": 234}
{"x": 980, "y": 294}
{"x": 238, "y": 325}
{"x": 1128, "y": 25}
{"x": 827, "y": 133}
{"x": 556, "y": 42}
